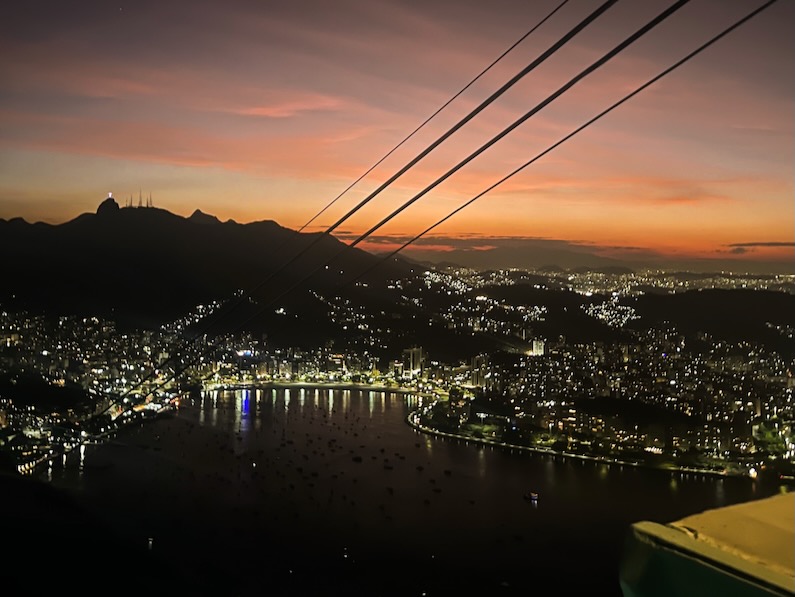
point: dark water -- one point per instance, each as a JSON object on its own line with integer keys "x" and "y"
{"x": 330, "y": 492}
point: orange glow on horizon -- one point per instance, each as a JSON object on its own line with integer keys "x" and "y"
{"x": 273, "y": 115}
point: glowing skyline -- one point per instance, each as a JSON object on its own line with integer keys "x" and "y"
{"x": 267, "y": 111}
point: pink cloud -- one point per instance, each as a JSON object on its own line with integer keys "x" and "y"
{"x": 288, "y": 108}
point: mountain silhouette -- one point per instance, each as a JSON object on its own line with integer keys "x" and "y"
{"x": 141, "y": 267}
{"x": 146, "y": 265}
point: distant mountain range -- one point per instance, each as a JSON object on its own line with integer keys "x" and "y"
{"x": 521, "y": 254}
{"x": 150, "y": 265}
{"x": 539, "y": 254}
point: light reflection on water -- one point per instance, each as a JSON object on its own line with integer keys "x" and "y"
{"x": 720, "y": 496}
{"x": 603, "y": 471}
{"x": 344, "y": 402}
{"x": 347, "y": 471}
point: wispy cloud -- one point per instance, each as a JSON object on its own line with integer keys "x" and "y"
{"x": 292, "y": 107}
{"x": 762, "y": 244}
{"x": 771, "y": 249}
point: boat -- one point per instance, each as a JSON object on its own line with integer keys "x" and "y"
{"x": 531, "y": 496}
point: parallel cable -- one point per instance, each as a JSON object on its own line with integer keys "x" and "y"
{"x": 436, "y": 113}
{"x": 628, "y": 41}
{"x": 515, "y": 79}
{"x": 585, "y": 125}
{"x": 584, "y": 73}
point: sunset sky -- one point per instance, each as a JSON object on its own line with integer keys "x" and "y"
{"x": 267, "y": 110}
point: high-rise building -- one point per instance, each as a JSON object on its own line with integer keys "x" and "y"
{"x": 414, "y": 361}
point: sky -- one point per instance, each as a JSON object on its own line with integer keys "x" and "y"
{"x": 267, "y": 110}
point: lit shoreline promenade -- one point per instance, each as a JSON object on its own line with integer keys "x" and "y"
{"x": 413, "y": 419}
